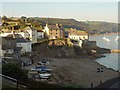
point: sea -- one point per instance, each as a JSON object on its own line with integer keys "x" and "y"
{"x": 112, "y": 59}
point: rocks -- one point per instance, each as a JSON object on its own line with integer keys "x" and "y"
{"x": 103, "y": 50}
{"x": 98, "y": 55}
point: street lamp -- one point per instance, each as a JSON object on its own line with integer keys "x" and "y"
{"x": 100, "y": 70}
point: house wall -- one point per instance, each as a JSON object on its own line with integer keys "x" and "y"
{"x": 7, "y": 46}
{"x": 33, "y": 35}
{"x": 40, "y": 35}
{"x": 24, "y": 34}
{"x": 26, "y": 47}
{"x": 78, "y": 37}
{"x": 46, "y": 30}
{"x": 5, "y": 34}
{"x": 80, "y": 43}
{"x": 55, "y": 33}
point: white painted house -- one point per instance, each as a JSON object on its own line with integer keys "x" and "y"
{"x": 26, "y": 45}
{"x": 80, "y": 36}
{"x": 46, "y": 30}
{"x": 40, "y": 34}
{"x": 27, "y": 33}
{"x": 32, "y": 34}
{"x": 4, "y": 34}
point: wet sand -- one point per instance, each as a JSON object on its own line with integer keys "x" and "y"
{"x": 79, "y": 71}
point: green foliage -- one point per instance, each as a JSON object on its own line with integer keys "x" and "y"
{"x": 102, "y": 27}
{"x": 13, "y": 70}
{"x": 5, "y": 18}
{"x": 89, "y": 26}
{"x": 35, "y": 84}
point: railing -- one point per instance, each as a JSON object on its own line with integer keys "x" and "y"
{"x": 15, "y": 82}
{"x": 12, "y": 79}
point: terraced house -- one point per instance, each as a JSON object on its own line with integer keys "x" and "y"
{"x": 54, "y": 31}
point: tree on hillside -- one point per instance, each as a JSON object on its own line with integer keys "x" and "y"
{"x": 23, "y": 19}
{"x": 4, "y": 18}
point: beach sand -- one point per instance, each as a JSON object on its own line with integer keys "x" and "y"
{"x": 79, "y": 71}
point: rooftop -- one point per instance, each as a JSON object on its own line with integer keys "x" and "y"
{"x": 77, "y": 32}
{"x": 16, "y": 37}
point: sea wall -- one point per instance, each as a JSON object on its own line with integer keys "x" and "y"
{"x": 115, "y": 51}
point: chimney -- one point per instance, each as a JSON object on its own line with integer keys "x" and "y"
{"x": 57, "y": 25}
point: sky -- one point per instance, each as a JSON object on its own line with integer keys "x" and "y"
{"x": 81, "y": 11}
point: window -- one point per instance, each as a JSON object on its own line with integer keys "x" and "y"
{"x": 9, "y": 43}
{"x": 56, "y": 36}
{"x": 56, "y": 33}
{"x": 7, "y": 51}
{"x": 51, "y": 33}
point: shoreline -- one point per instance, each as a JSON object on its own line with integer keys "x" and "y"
{"x": 104, "y": 33}
{"x": 79, "y": 69}
{"x": 106, "y": 67}
{"x": 94, "y": 59}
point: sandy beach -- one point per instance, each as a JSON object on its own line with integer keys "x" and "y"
{"x": 79, "y": 71}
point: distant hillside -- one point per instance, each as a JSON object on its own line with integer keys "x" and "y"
{"x": 102, "y": 27}
{"x": 67, "y": 23}
{"x": 89, "y": 26}
{"x": 39, "y": 23}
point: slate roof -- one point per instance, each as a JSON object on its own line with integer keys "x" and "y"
{"x": 16, "y": 35}
{"x": 6, "y": 45}
{"x": 77, "y": 32}
{"x": 17, "y": 48}
{"x": 18, "y": 38}
{"x": 53, "y": 27}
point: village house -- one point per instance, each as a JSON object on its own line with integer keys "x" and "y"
{"x": 78, "y": 35}
{"x": 40, "y": 34}
{"x": 54, "y": 31}
{"x": 32, "y": 34}
{"x": 21, "y": 42}
{"x": 9, "y": 49}
{"x": 14, "y": 45}
{"x": 27, "y": 33}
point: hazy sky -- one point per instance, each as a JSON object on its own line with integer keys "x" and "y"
{"x": 97, "y": 11}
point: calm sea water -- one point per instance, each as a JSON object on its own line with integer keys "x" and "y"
{"x": 111, "y": 60}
